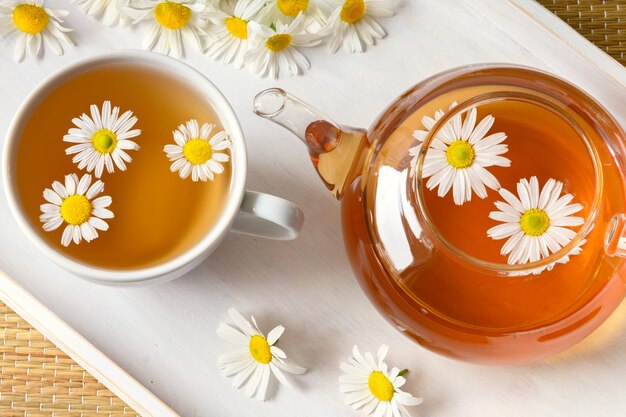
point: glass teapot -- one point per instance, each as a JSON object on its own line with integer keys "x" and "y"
{"x": 482, "y": 212}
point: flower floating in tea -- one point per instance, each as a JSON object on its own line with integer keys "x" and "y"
{"x": 285, "y": 11}
{"x": 73, "y": 203}
{"x": 110, "y": 11}
{"x": 103, "y": 139}
{"x": 257, "y": 357}
{"x": 277, "y": 50}
{"x": 170, "y": 22}
{"x": 352, "y": 24}
{"x": 536, "y": 223}
{"x": 459, "y": 154}
{"x": 34, "y": 25}
{"x": 229, "y": 32}
{"x": 196, "y": 152}
{"x": 370, "y": 385}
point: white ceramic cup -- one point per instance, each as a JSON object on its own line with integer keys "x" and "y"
{"x": 244, "y": 212}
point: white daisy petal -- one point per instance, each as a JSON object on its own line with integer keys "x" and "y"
{"x": 66, "y": 238}
{"x": 228, "y": 333}
{"x": 98, "y": 223}
{"x": 53, "y": 224}
{"x": 265, "y": 378}
{"x": 291, "y": 368}
{"x": 237, "y": 367}
{"x": 241, "y": 322}
{"x": 255, "y": 380}
{"x": 275, "y": 334}
{"x": 234, "y": 357}
{"x": 52, "y": 197}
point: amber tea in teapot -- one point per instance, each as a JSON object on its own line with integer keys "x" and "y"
{"x": 482, "y": 211}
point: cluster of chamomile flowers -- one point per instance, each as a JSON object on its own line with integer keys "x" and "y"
{"x": 101, "y": 142}
{"x": 536, "y": 223}
{"x": 266, "y": 36}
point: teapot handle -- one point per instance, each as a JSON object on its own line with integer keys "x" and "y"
{"x": 615, "y": 242}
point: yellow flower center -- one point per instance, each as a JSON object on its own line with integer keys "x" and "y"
{"x": 380, "y": 386}
{"x": 30, "y": 19}
{"x": 352, "y": 11}
{"x": 197, "y": 151}
{"x": 292, "y": 7}
{"x": 104, "y": 141}
{"x": 237, "y": 27}
{"x": 76, "y": 209}
{"x": 260, "y": 349}
{"x": 534, "y": 222}
{"x": 460, "y": 154}
{"x": 278, "y": 42}
{"x": 172, "y": 15}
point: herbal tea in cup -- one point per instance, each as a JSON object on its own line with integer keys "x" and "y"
{"x": 131, "y": 167}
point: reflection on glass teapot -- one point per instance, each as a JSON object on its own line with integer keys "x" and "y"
{"x": 481, "y": 211}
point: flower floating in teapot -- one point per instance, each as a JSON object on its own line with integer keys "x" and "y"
{"x": 110, "y": 11}
{"x": 102, "y": 139}
{"x": 35, "y": 25}
{"x": 370, "y": 385}
{"x": 459, "y": 154}
{"x": 170, "y": 22}
{"x": 196, "y": 151}
{"x": 536, "y": 223}
{"x": 257, "y": 357}
{"x": 74, "y": 204}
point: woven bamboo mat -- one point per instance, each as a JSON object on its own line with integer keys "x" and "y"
{"x": 39, "y": 380}
{"x": 603, "y": 22}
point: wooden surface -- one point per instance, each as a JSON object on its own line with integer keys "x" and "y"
{"x": 47, "y": 369}
{"x": 603, "y": 22}
{"x": 39, "y": 379}
{"x": 165, "y": 336}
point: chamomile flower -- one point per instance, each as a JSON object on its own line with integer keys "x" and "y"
{"x": 230, "y": 37}
{"x": 352, "y": 23}
{"x": 459, "y": 155}
{"x": 285, "y": 11}
{"x": 170, "y": 22}
{"x": 256, "y": 358}
{"x": 277, "y": 50}
{"x": 196, "y": 152}
{"x": 370, "y": 384}
{"x": 34, "y": 25}
{"x": 111, "y": 11}
{"x": 536, "y": 222}
{"x": 74, "y": 204}
{"x": 102, "y": 139}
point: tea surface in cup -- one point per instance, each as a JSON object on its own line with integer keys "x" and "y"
{"x": 158, "y": 215}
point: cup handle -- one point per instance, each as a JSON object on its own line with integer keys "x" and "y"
{"x": 268, "y": 216}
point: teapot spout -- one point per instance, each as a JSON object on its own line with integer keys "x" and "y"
{"x": 335, "y": 151}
